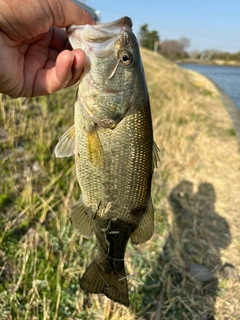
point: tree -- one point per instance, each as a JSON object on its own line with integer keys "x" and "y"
{"x": 195, "y": 54}
{"x": 185, "y": 42}
{"x": 148, "y": 38}
{"x": 175, "y": 49}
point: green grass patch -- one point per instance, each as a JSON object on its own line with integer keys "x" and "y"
{"x": 231, "y": 132}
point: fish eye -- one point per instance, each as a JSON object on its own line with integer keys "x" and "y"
{"x": 125, "y": 58}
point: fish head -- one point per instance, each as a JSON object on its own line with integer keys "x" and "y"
{"x": 113, "y": 79}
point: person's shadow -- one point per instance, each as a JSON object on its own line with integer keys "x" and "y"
{"x": 190, "y": 262}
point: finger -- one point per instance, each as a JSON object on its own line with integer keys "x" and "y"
{"x": 69, "y": 13}
{"x": 76, "y": 69}
{"x": 59, "y": 39}
{"x": 67, "y": 71}
{"x": 77, "y": 66}
{"x": 52, "y": 56}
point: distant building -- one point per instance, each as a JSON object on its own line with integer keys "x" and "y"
{"x": 93, "y": 13}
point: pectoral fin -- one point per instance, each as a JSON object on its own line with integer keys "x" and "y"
{"x": 95, "y": 149}
{"x": 80, "y": 219}
{"x": 145, "y": 228}
{"x": 156, "y": 157}
{"x": 66, "y": 144}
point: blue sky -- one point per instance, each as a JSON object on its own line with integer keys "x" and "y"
{"x": 208, "y": 24}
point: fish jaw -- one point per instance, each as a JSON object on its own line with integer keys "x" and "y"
{"x": 99, "y": 37}
{"x": 112, "y": 71}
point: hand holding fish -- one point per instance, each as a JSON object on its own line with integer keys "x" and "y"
{"x": 35, "y": 55}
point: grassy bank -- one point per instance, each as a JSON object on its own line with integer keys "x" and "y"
{"x": 195, "y": 193}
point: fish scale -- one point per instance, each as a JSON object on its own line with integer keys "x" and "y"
{"x": 123, "y": 151}
{"x": 112, "y": 139}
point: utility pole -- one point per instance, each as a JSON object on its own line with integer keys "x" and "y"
{"x": 156, "y": 43}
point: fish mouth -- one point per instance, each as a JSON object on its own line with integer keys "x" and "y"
{"x": 86, "y": 36}
{"x": 121, "y": 24}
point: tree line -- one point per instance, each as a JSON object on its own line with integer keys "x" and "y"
{"x": 212, "y": 54}
{"x": 177, "y": 49}
{"x": 172, "y": 49}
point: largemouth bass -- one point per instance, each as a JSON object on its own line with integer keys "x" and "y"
{"x": 112, "y": 139}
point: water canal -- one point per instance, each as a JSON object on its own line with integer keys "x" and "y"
{"x": 226, "y": 77}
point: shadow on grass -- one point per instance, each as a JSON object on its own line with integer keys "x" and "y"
{"x": 184, "y": 284}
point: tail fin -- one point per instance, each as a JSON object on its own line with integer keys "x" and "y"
{"x": 108, "y": 277}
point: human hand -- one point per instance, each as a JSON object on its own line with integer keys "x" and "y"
{"x": 35, "y": 55}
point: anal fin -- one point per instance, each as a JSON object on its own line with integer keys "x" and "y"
{"x": 145, "y": 228}
{"x": 80, "y": 219}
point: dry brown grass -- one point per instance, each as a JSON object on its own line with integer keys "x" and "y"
{"x": 200, "y": 159}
